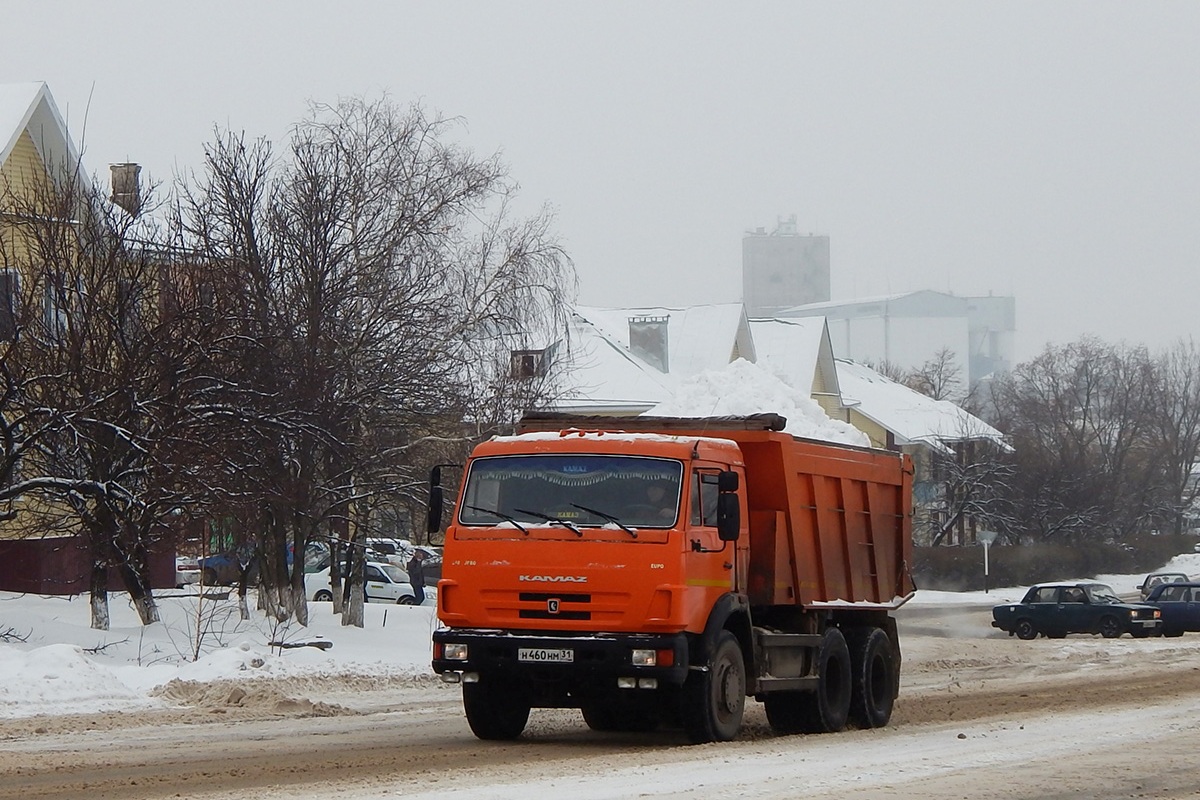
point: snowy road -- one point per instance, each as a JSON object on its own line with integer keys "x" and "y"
{"x": 979, "y": 715}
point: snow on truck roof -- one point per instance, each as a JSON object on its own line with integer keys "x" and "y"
{"x": 608, "y": 436}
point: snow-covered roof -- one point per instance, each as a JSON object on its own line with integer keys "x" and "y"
{"x": 742, "y": 388}
{"x": 794, "y": 349}
{"x": 30, "y": 106}
{"x": 927, "y": 298}
{"x": 910, "y": 416}
{"x": 698, "y": 337}
{"x": 604, "y": 377}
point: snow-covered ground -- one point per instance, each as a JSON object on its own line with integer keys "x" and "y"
{"x": 65, "y": 667}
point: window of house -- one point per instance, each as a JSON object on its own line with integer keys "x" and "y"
{"x": 56, "y": 306}
{"x": 130, "y": 308}
{"x": 528, "y": 363}
{"x": 8, "y": 304}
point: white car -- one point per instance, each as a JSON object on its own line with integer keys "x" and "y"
{"x": 385, "y": 583}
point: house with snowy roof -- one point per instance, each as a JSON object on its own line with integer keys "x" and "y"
{"x": 941, "y": 438}
{"x": 43, "y": 189}
{"x": 625, "y": 361}
{"x": 703, "y": 360}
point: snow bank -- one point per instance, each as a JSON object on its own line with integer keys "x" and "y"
{"x": 743, "y": 388}
{"x": 61, "y": 678}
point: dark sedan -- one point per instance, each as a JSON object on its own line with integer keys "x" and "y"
{"x": 1056, "y": 609}
{"x": 1180, "y": 606}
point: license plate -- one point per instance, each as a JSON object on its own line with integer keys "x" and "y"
{"x": 546, "y": 655}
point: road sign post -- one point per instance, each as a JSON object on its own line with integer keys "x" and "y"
{"x": 986, "y": 538}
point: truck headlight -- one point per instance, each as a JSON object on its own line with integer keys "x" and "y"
{"x": 644, "y": 658}
{"x": 455, "y": 652}
{"x": 663, "y": 657}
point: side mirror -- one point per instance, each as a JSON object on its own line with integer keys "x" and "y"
{"x": 433, "y": 520}
{"x": 729, "y": 517}
{"x": 727, "y": 481}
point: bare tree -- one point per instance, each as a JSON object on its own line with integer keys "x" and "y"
{"x": 380, "y": 276}
{"x": 1175, "y": 432}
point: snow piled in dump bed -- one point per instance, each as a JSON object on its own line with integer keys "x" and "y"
{"x": 742, "y": 388}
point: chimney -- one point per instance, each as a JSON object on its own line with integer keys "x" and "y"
{"x": 648, "y": 340}
{"x": 126, "y": 192}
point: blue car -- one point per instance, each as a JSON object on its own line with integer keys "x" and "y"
{"x": 1180, "y": 606}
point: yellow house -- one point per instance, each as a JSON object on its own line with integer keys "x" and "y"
{"x": 43, "y": 188}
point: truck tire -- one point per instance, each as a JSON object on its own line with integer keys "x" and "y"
{"x": 827, "y": 708}
{"x": 713, "y": 700}
{"x": 496, "y": 709}
{"x": 872, "y": 676}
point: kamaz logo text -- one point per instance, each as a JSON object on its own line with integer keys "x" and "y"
{"x": 554, "y": 578}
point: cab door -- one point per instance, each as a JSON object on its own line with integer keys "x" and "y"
{"x": 376, "y": 586}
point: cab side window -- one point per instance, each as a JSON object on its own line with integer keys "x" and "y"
{"x": 373, "y": 574}
{"x": 704, "y": 498}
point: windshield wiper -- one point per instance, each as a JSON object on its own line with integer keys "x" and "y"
{"x": 608, "y": 517}
{"x": 568, "y": 525}
{"x": 501, "y": 515}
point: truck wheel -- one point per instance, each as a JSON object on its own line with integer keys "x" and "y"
{"x": 824, "y": 710}
{"x": 1110, "y": 628}
{"x": 496, "y": 709}
{"x": 873, "y": 677}
{"x": 713, "y": 700}
{"x": 1025, "y": 629}
{"x": 831, "y": 706}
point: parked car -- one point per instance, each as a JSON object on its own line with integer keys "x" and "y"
{"x": 1179, "y": 603}
{"x": 187, "y": 570}
{"x": 1158, "y": 578}
{"x": 225, "y": 569}
{"x": 1057, "y": 609}
{"x": 383, "y": 583}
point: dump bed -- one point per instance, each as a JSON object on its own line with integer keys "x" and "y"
{"x": 828, "y": 523}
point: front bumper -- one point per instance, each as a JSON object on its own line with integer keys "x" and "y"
{"x": 595, "y": 659}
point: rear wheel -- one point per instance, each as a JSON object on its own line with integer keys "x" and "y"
{"x": 873, "y": 677}
{"x": 323, "y": 596}
{"x": 1110, "y": 627}
{"x": 827, "y": 708}
{"x": 714, "y": 700}
{"x": 1025, "y": 629}
{"x": 407, "y": 600}
{"x": 496, "y": 709}
{"x": 210, "y": 576}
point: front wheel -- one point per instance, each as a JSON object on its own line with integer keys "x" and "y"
{"x": 714, "y": 700}
{"x": 1110, "y": 628}
{"x": 1025, "y": 629}
{"x": 323, "y": 596}
{"x": 406, "y": 600}
{"x": 496, "y": 709}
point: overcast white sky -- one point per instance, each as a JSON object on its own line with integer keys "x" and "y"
{"x": 1047, "y": 150}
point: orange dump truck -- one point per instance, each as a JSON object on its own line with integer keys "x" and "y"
{"x": 659, "y": 571}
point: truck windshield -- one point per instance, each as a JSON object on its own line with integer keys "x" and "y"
{"x": 583, "y": 490}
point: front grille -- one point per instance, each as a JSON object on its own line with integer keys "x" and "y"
{"x": 546, "y": 599}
